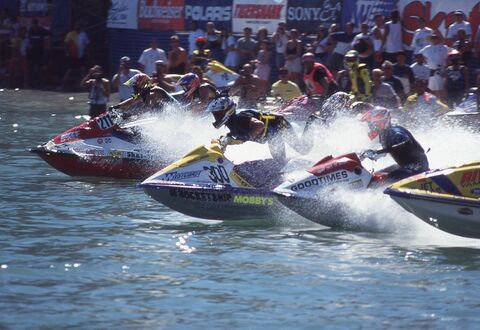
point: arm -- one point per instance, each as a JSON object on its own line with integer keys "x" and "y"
{"x": 256, "y": 128}
{"x": 115, "y": 80}
{"x": 106, "y": 87}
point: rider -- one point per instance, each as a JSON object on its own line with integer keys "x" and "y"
{"x": 201, "y": 55}
{"x": 361, "y": 86}
{"x": 251, "y": 125}
{"x": 318, "y": 79}
{"x": 144, "y": 91}
{"x": 398, "y": 142}
{"x": 197, "y": 94}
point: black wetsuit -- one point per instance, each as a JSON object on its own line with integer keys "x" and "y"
{"x": 405, "y": 150}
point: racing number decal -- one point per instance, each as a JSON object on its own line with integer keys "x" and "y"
{"x": 105, "y": 122}
{"x": 218, "y": 174}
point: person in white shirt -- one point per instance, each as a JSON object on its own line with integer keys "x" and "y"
{"x": 280, "y": 40}
{"x": 436, "y": 56}
{"x": 150, "y": 56}
{"x": 459, "y": 23}
{"x": 421, "y": 37}
{"x": 420, "y": 70}
{"x": 196, "y": 32}
{"x": 393, "y": 37}
{"x": 124, "y": 73}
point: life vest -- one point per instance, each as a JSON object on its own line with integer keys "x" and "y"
{"x": 360, "y": 81}
{"x": 240, "y": 128}
{"x": 314, "y": 86}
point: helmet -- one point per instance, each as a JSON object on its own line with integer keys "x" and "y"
{"x": 190, "y": 83}
{"x": 138, "y": 81}
{"x": 351, "y": 58}
{"x": 200, "y": 40}
{"x": 361, "y": 107}
{"x": 222, "y": 109}
{"x": 378, "y": 119}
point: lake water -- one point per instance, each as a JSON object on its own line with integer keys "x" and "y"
{"x": 97, "y": 253}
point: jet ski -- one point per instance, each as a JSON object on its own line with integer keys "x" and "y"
{"x": 104, "y": 146}
{"x": 206, "y": 184}
{"x": 467, "y": 112}
{"x": 309, "y": 192}
{"x": 448, "y": 199}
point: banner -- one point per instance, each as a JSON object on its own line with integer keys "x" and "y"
{"x": 123, "y": 14}
{"x": 216, "y": 11}
{"x": 438, "y": 14}
{"x": 161, "y": 14}
{"x": 306, "y": 15}
{"x": 30, "y": 9}
{"x": 257, "y": 13}
{"x": 360, "y": 11}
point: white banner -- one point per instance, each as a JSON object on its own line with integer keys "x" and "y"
{"x": 257, "y": 13}
{"x": 123, "y": 14}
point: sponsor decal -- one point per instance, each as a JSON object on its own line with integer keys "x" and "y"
{"x": 175, "y": 176}
{"x": 115, "y": 153}
{"x": 465, "y": 211}
{"x": 357, "y": 184}
{"x": 470, "y": 179}
{"x": 476, "y": 191}
{"x": 428, "y": 187}
{"x": 253, "y": 200}
{"x": 200, "y": 196}
{"x": 70, "y": 136}
{"x": 138, "y": 155}
{"x": 321, "y": 181}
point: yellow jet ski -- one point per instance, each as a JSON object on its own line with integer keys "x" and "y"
{"x": 448, "y": 199}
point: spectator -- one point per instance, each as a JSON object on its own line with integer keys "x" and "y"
{"x": 4, "y": 37}
{"x": 177, "y": 57}
{"x": 230, "y": 52}
{"x": 343, "y": 43}
{"x": 18, "y": 65}
{"x": 456, "y": 79}
{"x": 459, "y": 23}
{"x": 280, "y": 40}
{"x": 284, "y": 88}
{"x": 246, "y": 46}
{"x": 318, "y": 79}
{"x": 435, "y": 57}
{"x": 378, "y": 36}
{"x": 123, "y": 75}
{"x": 36, "y": 56}
{"x": 382, "y": 93}
{"x": 393, "y": 37}
{"x": 214, "y": 42}
{"x": 420, "y": 70}
{"x": 160, "y": 79}
{"x": 99, "y": 90}
{"x": 389, "y": 78}
{"x": 358, "y": 73}
{"x": 363, "y": 44}
{"x": 403, "y": 72}
{"x": 423, "y": 105}
{"x": 201, "y": 56}
{"x": 263, "y": 67}
{"x": 76, "y": 43}
{"x": 262, "y": 34}
{"x": 248, "y": 88}
{"x": 293, "y": 55}
{"x": 467, "y": 55}
{"x": 195, "y": 32}
{"x": 421, "y": 37}
{"x": 321, "y": 50}
{"x": 150, "y": 56}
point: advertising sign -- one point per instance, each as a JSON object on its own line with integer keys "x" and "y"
{"x": 217, "y": 11}
{"x": 359, "y": 11}
{"x": 161, "y": 14}
{"x": 306, "y": 15}
{"x": 39, "y": 9}
{"x": 123, "y": 14}
{"x": 257, "y": 13}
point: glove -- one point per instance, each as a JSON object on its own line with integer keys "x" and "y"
{"x": 370, "y": 154}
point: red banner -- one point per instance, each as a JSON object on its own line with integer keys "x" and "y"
{"x": 161, "y": 14}
{"x": 438, "y": 14}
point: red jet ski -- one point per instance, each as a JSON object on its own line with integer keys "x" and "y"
{"x": 104, "y": 146}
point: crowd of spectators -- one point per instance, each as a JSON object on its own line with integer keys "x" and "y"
{"x": 278, "y": 63}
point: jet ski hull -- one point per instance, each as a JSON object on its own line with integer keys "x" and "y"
{"x": 98, "y": 166}
{"x": 448, "y": 199}
{"x": 452, "y": 215}
{"x": 215, "y": 202}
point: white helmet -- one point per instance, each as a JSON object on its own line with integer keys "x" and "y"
{"x": 222, "y": 109}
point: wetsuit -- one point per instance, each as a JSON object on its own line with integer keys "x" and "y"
{"x": 276, "y": 127}
{"x": 405, "y": 150}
